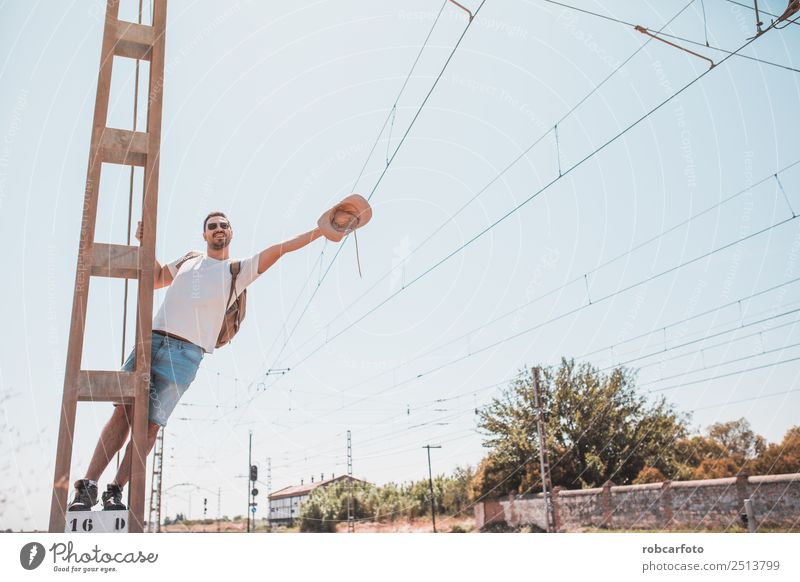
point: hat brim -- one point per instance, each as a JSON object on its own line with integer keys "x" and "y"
{"x": 348, "y": 215}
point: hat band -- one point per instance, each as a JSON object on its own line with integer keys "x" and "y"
{"x": 351, "y": 225}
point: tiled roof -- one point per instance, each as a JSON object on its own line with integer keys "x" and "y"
{"x": 299, "y": 490}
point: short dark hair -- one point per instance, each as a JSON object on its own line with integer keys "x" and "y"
{"x": 211, "y": 214}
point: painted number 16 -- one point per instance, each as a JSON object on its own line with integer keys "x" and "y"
{"x": 86, "y": 524}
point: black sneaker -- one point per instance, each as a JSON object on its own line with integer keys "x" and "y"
{"x": 112, "y": 498}
{"x": 85, "y": 496}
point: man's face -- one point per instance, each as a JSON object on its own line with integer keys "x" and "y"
{"x": 215, "y": 235}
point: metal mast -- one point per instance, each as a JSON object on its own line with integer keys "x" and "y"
{"x": 154, "y": 516}
{"x": 544, "y": 464}
{"x": 351, "y": 518}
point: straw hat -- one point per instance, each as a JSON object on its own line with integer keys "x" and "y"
{"x": 351, "y": 213}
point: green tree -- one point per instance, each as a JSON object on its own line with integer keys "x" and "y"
{"x": 741, "y": 444}
{"x": 716, "y": 468}
{"x": 692, "y": 452}
{"x": 327, "y": 506}
{"x": 728, "y": 448}
{"x": 498, "y": 474}
{"x": 598, "y": 429}
{"x": 649, "y": 475}
{"x": 455, "y": 490}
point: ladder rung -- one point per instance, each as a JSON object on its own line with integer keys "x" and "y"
{"x": 120, "y": 146}
{"x": 134, "y": 41}
{"x": 121, "y": 261}
{"x": 105, "y": 386}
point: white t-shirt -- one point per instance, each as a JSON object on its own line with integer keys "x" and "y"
{"x": 195, "y": 304}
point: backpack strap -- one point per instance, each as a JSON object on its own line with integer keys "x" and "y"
{"x": 236, "y": 267}
{"x": 188, "y": 256}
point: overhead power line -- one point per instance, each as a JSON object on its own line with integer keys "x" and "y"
{"x": 708, "y": 337}
{"x": 491, "y": 182}
{"x": 584, "y": 306}
{"x": 523, "y": 203}
{"x": 428, "y": 372}
{"x": 366, "y": 161}
{"x": 693, "y": 81}
{"x": 673, "y": 36}
{"x": 418, "y": 376}
{"x": 320, "y": 449}
{"x": 735, "y": 373}
{"x": 557, "y": 3}
{"x": 725, "y": 363}
{"x": 391, "y": 452}
{"x": 452, "y": 216}
{"x": 750, "y": 399}
{"x": 761, "y": 10}
{"x": 580, "y": 277}
{"x": 380, "y": 178}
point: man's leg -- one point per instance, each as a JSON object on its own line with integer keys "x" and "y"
{"x": 124, "y": 471}
{"x": 173, "y": 368}
{"x": 111, "y": 440}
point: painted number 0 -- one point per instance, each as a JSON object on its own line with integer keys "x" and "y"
{"x": 86, "y": 525}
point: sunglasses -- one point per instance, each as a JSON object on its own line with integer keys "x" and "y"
{"x": 214, "y": 225}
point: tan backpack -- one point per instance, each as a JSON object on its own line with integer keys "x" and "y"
{"x": 234, "y": 314}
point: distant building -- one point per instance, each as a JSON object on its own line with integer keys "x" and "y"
{"x": 285, "y": 504}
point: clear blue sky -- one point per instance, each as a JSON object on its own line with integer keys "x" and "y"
{"x": 269, "y": 115}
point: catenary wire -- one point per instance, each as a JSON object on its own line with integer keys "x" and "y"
{"x": 452, "y": 216}
{"x": 524, "y": 202}
{"x": 583, "y": 275}
{"x": 380, "y": 178}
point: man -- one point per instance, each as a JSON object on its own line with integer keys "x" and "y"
{"x": 185, "y": 328}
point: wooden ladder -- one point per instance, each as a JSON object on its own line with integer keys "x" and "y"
{"x": 97, "y": 259}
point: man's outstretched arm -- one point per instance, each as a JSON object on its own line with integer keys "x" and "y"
{"x": 269, "y": 256}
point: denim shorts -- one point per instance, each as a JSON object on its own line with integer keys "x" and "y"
{"x": 173, "y": 366}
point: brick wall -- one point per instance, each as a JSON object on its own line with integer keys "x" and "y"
{"x": 710, "y": 503}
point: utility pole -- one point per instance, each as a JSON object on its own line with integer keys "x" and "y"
{"x": 544, "y": 465}
{"x": 154, "y": 516}
{"x": 251, "y": 503}
{"x": 269, "y": 492}
{"x": 351, "y": 518}
{"x": 219, "y": 506}
{"x": 249, "y": 480}
{"x": 430, "y": 482}
{"x": 759, "y": 30}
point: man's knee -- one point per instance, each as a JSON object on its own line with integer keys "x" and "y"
{"x": 152, "y": 428}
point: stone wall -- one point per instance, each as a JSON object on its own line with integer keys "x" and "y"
{"x": 710, "y": 503}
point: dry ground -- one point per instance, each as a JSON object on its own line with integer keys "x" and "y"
{"x": 460, "y": 524}
{"x": 464, "y": 524}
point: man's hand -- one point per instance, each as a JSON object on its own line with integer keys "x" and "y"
{"x": 161, "y": 275}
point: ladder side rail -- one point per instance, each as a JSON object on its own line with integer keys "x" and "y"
{"x": 80, "y": 299}
{"x": 144, "y": 315}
